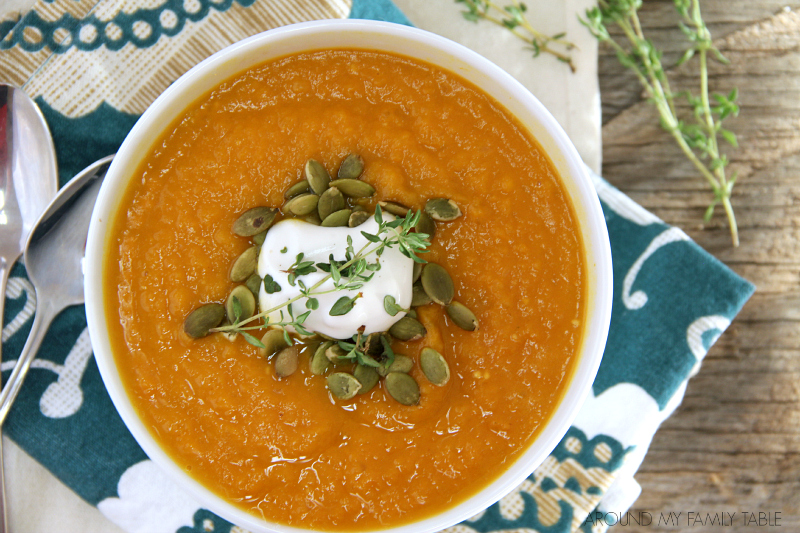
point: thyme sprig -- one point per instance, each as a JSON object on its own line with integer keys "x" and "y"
{"x": 512, "y": 17}
{"x": 697, "y": 137}
{"x": 350, "y": 274}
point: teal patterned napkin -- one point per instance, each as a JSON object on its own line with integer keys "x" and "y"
{"x": 671, "y": 299}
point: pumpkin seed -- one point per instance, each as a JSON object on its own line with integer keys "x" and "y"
{"x": 408, "y": 329}
{"x": 426, "y": 225}
{"x": 373, "y": 344}
{"x": 401, "y": 363}
{"x": 318, "y": 178}
{"x": 437, "y": 283}
{"x": 203, "y": 319}
{"x": 419, "y": 296}
{"x": 351, "y": 167}
{"x": 398, "y": 210}
{"x": 298, "y": 188}
{"x": 343, "y": 385}
{"x": 301, "y": 205}
{"x": 412, "y": 313}
{"x": 337, "y": 219}
{"x": 319, "y": 363}
{"x": 330, "y": 201}
{"x": 244, "y": 265}
{"x": 367, "y": 376}
{"x": 229, "y": 336}
{"x": 354, "y": 188}
{"x": 417, "y": 271}
{"x": 259, "y": 238}
{"x": 273, "y": 341}
{"x": 357, "y": 218}
{"x": 442, "y": 209}
{"x": 254, "y": 221}
{"x": 359, "y": 207}
{"x": 254, "y": 284}
{"x": 334, "y": 353}
{"x": 287, "y": 360}
{"x": 434, "y": 366}
{"x": 247, "y": 304}
{"x": 402, "y": 388}
{"x": 462, "y": 316}
{"x": 312, "y": 218}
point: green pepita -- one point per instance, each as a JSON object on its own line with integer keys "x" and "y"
{"x": 244, "y": 265}
{"x": 318, "y": 178}
{"x": 412, "y": 313}
{"x": 343, "y": 385}
{"x": 417, "y": 271}
{"x": 301, "y": 205}
{"x": 287, "y": 360}
{"x": 337, "y": 219}
{"x": 246, "y": 305}
{"x": 334, "y": 353}
{"x": 254, "y": 284}
{"x": 354, "y": 188}
{"x": 259, "y": 238}
{"x": 426, "y": 225}
{"x": 357, "y": 218}
{"x": 442, "y": 209}
{"x": 319, "y": 363}
{"x": 229, "y": 336}
{"x": 351, "y": 167}
{"x": 462, "y": 316}
{"x": 373, "y": 344}
{"x": 437, "y": 283}
{"x": 434, "y": 366}
{"x": 407, "y": 329}
{"x": 401, "y": 363}
{"x": 273, "y": 341}
{"x": 330, "y": 201}
{"x": 398, "y": 210}
{"x": 297, "y": 189}
{"x": 367, "y": 376}
{"x": 402, "y": 388}
{"x": 254, "y": 221}
{"x": 419, "y": 296}
{"x": 203, "y": 319}
{"x": 312, "y": 218}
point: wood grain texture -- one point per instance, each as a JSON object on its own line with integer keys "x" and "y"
{"x": 734, "y": 444}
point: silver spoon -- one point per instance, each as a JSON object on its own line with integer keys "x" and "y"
{"x": 28, "y": 181}
{"x": 53, "y": 258}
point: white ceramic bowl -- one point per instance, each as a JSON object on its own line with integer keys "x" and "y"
{"x": 390, "y": 38}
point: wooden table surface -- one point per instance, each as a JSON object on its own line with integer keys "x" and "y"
{"x": 734, "y": 444}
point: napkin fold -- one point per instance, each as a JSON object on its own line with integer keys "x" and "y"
{"x": 94, "y": 67}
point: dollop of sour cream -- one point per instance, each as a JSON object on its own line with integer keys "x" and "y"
{"x": 290, "y": 237}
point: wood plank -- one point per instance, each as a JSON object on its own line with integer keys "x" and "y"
{"x": 734, "y": 444}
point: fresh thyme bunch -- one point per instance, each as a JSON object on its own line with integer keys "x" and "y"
{"x": 349, "y": 274}
{"x": 698, "y": 136}
{"x": 512, "y": 17}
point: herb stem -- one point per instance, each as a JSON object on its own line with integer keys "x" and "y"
{"x": 539, "y": 41}
{"x": 698, "y": 139}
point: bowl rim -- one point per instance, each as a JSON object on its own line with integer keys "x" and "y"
{"x": 590, "y": 217}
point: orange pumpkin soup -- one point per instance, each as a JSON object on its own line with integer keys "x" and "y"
{"x": 284, "y": 448}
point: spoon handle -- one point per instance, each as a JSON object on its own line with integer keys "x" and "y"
{"x": 4, "y": 272}
{"x": 41, "y": 320}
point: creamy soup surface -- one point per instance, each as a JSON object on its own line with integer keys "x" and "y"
{"x": 285, "y": 449}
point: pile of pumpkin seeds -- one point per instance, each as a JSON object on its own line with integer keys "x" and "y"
{"x": 321, "y": 200}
